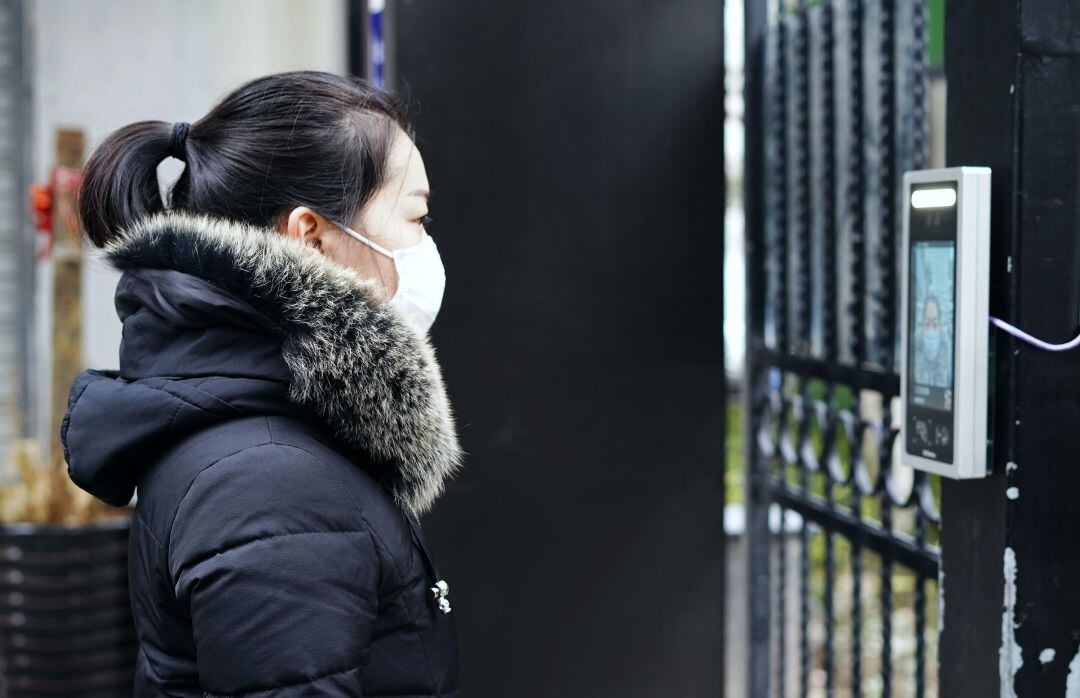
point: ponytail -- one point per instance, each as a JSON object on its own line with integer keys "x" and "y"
{"x": 298, "y": 138}
{"x": 120, "y": 183}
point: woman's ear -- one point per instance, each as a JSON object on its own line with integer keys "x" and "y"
{"x": 307, "y": 226}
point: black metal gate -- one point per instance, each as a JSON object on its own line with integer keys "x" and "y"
{"x": 843, "y": 557}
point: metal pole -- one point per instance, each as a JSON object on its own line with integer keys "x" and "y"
{"x": 756, "y": 492}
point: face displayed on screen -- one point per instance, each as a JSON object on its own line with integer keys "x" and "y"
{"x": 932, "y": 339}
{"x": 930, "y": 369}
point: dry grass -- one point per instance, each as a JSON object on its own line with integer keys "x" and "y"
{"x": 43, "y": 493}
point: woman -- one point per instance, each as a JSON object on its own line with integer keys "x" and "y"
{"x": 277, "y": 405}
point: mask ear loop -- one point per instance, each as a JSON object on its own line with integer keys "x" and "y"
{"x": 373, "y": 245}
{"x": 1033, "y": 341}
{"x": 369, "y": 243}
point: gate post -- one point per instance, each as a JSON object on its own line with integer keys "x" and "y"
{"x": 1010, "y": 555}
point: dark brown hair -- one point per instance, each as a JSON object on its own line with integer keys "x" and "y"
{"x": 299, "y": 138}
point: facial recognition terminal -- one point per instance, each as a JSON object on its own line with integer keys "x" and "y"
{"x": 945, "y": 362}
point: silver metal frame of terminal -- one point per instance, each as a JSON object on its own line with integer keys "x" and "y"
{"x": 971, "y": 315}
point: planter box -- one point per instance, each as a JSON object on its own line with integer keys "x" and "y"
{"x": 65, "y": 615}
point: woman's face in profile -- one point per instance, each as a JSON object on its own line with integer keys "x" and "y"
{"x": 393, "y": 218}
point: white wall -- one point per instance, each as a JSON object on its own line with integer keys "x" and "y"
{"x": 99, "y": 65}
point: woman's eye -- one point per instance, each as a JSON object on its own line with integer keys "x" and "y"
{"x": 425, "y": 221}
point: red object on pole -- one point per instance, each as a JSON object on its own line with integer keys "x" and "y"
{"x": 41, "y": 200}
{"x": 55, "y": 199}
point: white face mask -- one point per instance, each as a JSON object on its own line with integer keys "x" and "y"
{"x": 421, "y": 279}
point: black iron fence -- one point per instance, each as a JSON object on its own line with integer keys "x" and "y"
{"x": 843, "y": 553}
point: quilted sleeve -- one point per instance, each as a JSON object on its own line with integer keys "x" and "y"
{"x": 280, "y": 576}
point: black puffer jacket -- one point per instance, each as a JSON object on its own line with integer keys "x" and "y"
{"x": 283, "y": 432}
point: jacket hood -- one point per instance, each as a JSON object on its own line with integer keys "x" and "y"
{"x": 223, "y": 319}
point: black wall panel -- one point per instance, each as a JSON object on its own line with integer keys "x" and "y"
{"x": 575, "y": 154}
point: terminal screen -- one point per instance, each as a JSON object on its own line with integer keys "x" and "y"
{"x": 931, "y": 322}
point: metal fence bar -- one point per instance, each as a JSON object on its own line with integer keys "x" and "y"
{"x": 759, "y": 50}
{"x": 871, "y": 537}
{"x": 776, "y": 250}
{"x": 802, "y": 289}
{"x": 782, "y": 609}
{"x": 827, "y": 180}
{"x": 854, "y": 195}
{"x": 920, "y": 613}
{"x": 885, "y": 312}
{"x": 788, "y": 200}
{"x": 835, "y": 372}
{"x": 801, "y": 231}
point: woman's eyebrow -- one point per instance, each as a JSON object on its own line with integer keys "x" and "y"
{"x": 421, "y": 192}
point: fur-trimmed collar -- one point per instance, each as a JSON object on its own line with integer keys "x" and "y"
{"x": 372, "y": 378}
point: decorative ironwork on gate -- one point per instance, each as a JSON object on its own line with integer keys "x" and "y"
{"x": 843, "y": 540}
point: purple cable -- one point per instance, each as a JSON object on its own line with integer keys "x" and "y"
{"x": 1025, "y": 337}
